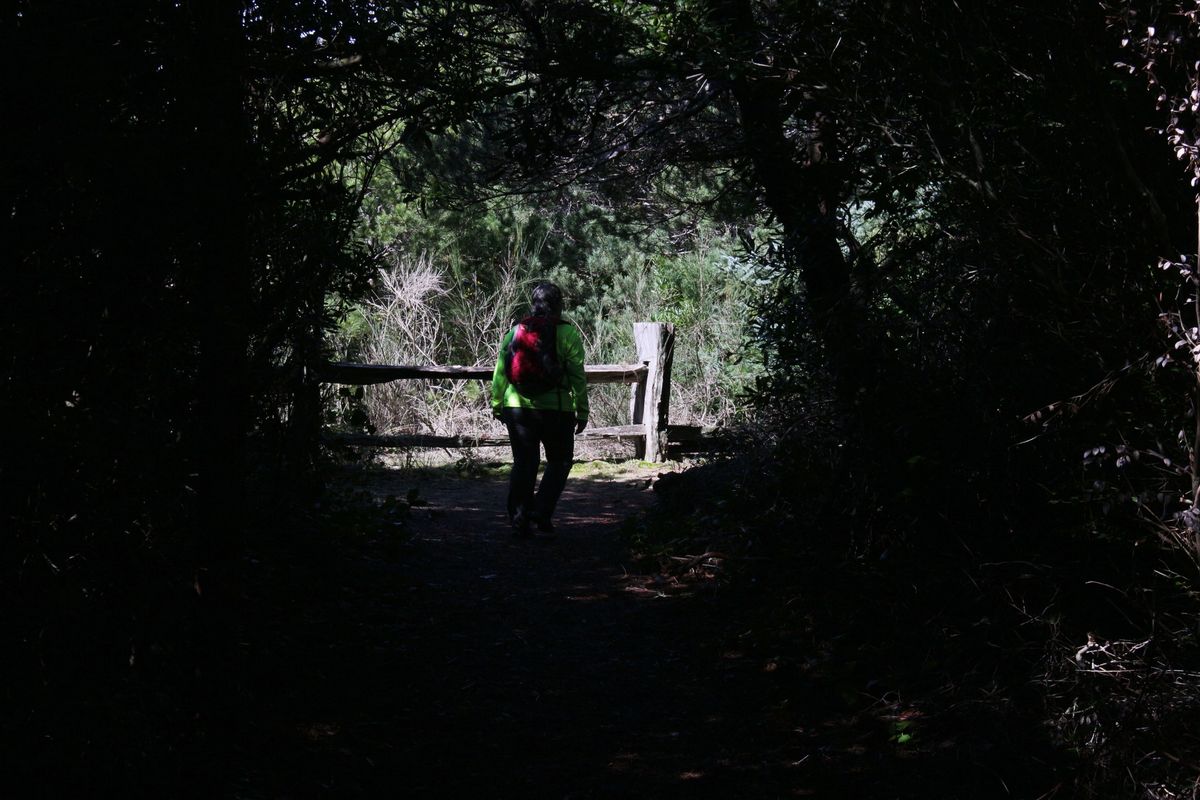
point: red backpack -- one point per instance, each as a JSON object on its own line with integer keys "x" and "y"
{"x": 531, "y": 359}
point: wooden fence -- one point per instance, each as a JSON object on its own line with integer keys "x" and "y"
{"x": 649, "y": 402}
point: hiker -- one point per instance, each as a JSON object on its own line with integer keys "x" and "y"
{"x": 539, "y": 391}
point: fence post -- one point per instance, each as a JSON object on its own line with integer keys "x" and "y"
{"x": 651, "y": 398}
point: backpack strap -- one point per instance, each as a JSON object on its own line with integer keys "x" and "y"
{"x": 558, "y": 353}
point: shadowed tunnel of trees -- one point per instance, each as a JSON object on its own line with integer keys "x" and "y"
{"x": 937, "y": 258}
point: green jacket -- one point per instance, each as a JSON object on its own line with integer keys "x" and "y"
{"x": 573, "y": 396}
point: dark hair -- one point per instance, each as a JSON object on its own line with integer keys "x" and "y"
{"x": 546, "y": 300}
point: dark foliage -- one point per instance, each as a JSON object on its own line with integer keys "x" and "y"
{"x": 1001, "y": 174}
{"x": 163, "y": 285}
{"x": 955, "y": 209}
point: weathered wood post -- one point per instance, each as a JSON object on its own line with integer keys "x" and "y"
{"x": 651, "y": 398}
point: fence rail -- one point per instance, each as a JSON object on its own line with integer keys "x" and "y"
{"x": 369, "y": 374}
{"x": 649, "y": 401}
{"x": 680, "y": 438}
{"x": 630, "y": 432}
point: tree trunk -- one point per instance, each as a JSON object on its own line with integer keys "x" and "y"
{"x": 219, "y": 167}
{"x": 800, "y": 188}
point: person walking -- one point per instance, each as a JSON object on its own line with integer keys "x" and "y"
{"x": 539, "y": 391}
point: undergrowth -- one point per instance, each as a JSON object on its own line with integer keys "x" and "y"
{"x": 1073, "y": 656}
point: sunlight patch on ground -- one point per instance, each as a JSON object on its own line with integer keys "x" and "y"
{"x": 600, "y": 468}
{"x": 623, "y": 762}
{"x": 655, "y": 586}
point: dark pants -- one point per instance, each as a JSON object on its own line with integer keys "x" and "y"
{"x": 528, "y": 430}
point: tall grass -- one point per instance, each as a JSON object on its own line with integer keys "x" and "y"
{"x": 422, "y": 313}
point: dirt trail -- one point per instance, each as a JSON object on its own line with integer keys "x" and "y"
{"x": 467, "y": 662}
{"x": 441, "y": 657}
